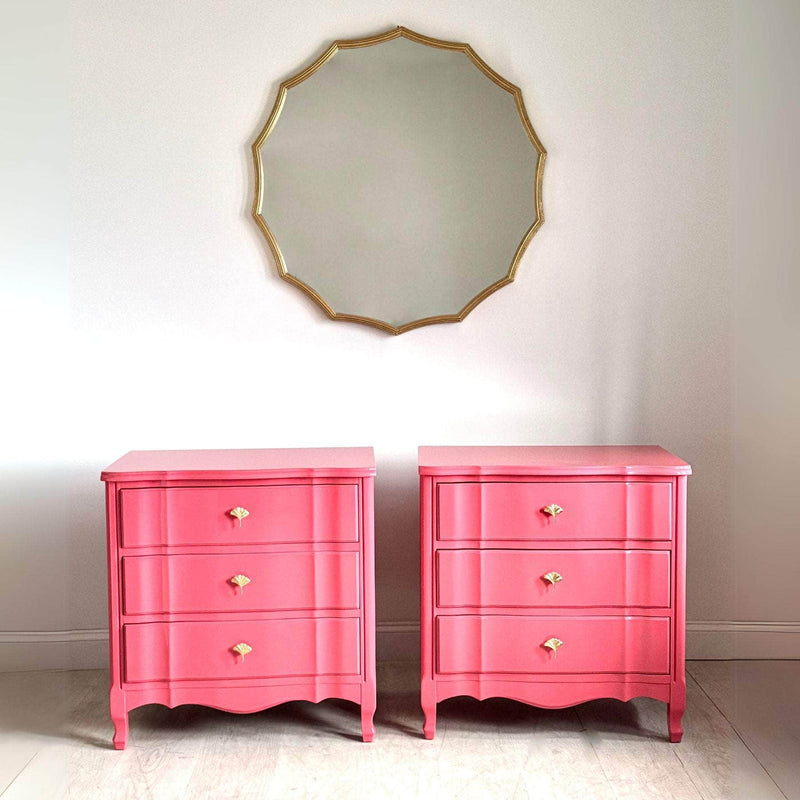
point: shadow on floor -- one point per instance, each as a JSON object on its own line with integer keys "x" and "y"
{"x": 74, "y": 705}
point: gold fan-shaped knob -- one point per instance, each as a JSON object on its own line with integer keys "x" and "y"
{"x": 552, "y": 578}
{"x": 242, "y": 649}
{"x": 240, "y": 580}
{"x": 552, "y": 510}
{"x": 553, "y": 644}
{"x": 240, "y": 513}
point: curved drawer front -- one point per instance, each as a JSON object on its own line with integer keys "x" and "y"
{"x": 275, "y": 514}
{"x": 613, "y": 510}
{"x": 243, "y": 582}
{"x": 176, "y": 651}
{"x": 590, "y": 645}
{"x": 516, "y": 578}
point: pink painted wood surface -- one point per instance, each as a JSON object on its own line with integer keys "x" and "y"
{"x": 507, "y": 578}
{"x": 515, "y": 644}
{"x": 489, "y": 511}
{"x": 369, "y": 690}
{"x": 308, "y": 612}
{"x": 677, "y": 697}
{"x": 427, "y": 649}
{"x": 180, "y": 651}
{"x": 277, "y": 515}
{"x": 117, "y": 702}
{"x": 547, "y": 460}
{"x": 309, "y": 462}
{"x": 619, "y": 651}
{"x": 545, "y": 695}
{"x": 242, "y": 699}
{"x": 182, "y": 584}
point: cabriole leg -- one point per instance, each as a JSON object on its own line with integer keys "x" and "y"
{"x": 429, "y": 708}
{"x": 119, "y": 716}
{"x": 367, "y": 713}
{"x": 429, "y": 728}
{"x": 674, "y": 715}
{"x": 675, "y": 709}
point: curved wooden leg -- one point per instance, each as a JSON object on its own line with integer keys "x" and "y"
{"x": 675, "y": 709}
{"x": 429, "y": 728}
{"x": 119, "y": 716}
{"x": 367, "y": 726}
{"x": 428, "y": 696}
{"x": 368, "y": 703}
{"x": 674, "y": 715}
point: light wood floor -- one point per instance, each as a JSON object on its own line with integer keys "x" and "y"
{"x": 742, "y": 741}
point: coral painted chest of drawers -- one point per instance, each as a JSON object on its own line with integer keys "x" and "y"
{"x": 241, "y": 579}
{"x": 553, "y": 575}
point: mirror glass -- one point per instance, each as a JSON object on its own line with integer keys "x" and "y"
{"x": 398, "y": 180}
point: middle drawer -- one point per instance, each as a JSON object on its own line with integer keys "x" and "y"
{"x": 243, "y": 582}
{"x": 553, "y": 578}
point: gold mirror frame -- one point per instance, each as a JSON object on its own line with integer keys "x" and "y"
{"x": 345, "y": 44}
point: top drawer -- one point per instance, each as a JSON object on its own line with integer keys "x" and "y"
{"x": 517, "y": 511}
{"x": 306, "y": 513}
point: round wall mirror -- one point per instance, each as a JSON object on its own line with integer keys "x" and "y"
{"x": 398, "y": 180}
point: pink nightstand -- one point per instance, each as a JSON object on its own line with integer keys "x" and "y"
{"x": 241, "y": 579}
{"x": 553, "y": 575}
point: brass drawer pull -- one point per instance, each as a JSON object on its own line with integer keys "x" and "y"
{"x": 553, "y": 644}
{"x": 552, "y": 510}
{"x": 242, "y": 649}
{"x": 553, "y": 578}
{"x": 241, "y": 581}
{"x": 240, "y": 513}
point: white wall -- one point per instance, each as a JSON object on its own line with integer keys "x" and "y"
{"x": 765, "y": 511}
{"x": 658, "y": 304}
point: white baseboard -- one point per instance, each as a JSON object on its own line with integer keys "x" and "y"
{"x": 21, "y": 651}
{"x": 399, "y": 641}
{"x": 728, "y": 639}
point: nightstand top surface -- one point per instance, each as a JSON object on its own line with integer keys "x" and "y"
{"x": 306, "y": 462}
{"x": 551, "y": 460}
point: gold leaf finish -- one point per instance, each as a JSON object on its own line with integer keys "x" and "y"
{"x": 553, "y": 644}
{"x": 242, "y": 649}
{"x": 552, "y": 510}
{"x": 346, "y": 44}
{"x": 240, "y": 513}
{"x": 240, "y": 580}
{"x": 553, "y": 578}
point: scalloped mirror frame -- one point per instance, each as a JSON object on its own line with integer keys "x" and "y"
{"x": 344, "y": 44}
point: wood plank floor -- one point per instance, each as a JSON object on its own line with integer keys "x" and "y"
{"x": 742, "y": 741}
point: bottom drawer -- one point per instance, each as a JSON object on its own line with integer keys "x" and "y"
{"x": 506, "y": 644}
{"x": 179, "y": 651}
